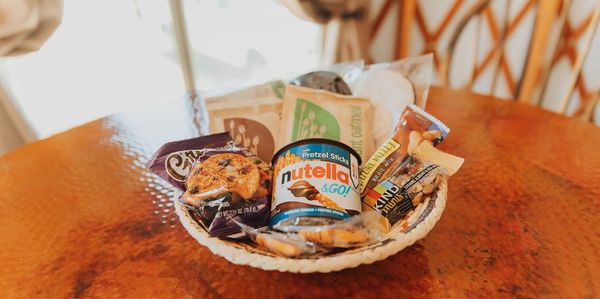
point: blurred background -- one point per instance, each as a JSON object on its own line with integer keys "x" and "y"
{"x": 67, "y": 63}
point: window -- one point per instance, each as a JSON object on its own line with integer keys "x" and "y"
{"x": 113, "y": 55}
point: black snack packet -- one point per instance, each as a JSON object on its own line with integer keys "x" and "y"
{"x": 221, "y": 181}
{"x": 329, "y": 81}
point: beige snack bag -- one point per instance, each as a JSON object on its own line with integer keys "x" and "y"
{"x": 311, "y": 113}
{"x": 251, "y": 116}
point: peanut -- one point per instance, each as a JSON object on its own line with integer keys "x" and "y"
{"x": 432, "y": 134}
{"x": 414, "y": 138}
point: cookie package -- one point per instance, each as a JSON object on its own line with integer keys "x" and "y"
{"x": 222, "y": 182}
{"x": 252, "y": 116}
{"x": 311, "y": 113}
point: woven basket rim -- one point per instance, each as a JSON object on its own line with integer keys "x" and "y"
{"x": 394, "y": 242}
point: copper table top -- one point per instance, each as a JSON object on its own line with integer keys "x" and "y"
{"x": 80, "y": 216}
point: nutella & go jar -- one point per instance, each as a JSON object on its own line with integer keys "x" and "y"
{"x": 315, "y": 182}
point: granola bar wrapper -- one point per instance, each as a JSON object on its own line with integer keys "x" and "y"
{"x": 221, "y": 182}
{"x": 414, "y": 126}
{"x": 252, "y": 116}
{"x": 312, "y": 113}
{"x": 411, "y": 183}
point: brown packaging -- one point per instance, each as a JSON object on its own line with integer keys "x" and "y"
{"x": 252, "y": 116}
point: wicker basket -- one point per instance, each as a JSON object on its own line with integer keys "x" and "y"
{"x": 414, "y": 228}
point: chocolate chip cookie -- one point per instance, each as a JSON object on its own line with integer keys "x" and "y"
{"x": 227, "y": 172}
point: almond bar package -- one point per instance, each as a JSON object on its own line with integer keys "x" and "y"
{"x": 414, "y": 126}
{"x": 312, "y": 113}
{"x": 222, "y": 182}
{"x": 252, "y": 116}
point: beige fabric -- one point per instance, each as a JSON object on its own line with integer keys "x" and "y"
{"x": 345, "y": 26}
{"x": 26, "y": 24}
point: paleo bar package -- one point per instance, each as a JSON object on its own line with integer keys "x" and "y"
{"x": 252, "y": 116}
{"x": 222, "y": 182}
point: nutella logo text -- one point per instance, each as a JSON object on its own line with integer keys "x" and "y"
{"x": 329, "y": 171}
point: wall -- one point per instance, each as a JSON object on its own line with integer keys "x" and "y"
{"x": 9, "y": 137}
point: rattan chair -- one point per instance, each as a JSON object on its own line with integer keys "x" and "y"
{"x": 542, "y": 52}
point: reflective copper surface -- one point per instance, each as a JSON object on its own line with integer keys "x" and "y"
{"x": 80, "y": 217}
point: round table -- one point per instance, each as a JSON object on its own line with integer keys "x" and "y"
{"x": 80, "y": 215}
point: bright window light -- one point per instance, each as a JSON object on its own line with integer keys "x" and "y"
{"x": 113, "y": 55}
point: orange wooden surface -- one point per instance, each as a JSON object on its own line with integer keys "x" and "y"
{"x": 80, "y": 217}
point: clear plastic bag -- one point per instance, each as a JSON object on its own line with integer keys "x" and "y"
{"x": 355, "y": 231}
{"x": 392, "y": 86}
{"x": 301, "y": 241}
{"x": 417, "y": 69}
{"x": 284, "y": 244}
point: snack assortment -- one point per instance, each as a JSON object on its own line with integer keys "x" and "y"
{"x": 316, "y": 197}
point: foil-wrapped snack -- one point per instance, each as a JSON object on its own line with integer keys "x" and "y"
{"x": 329, "y": 81}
